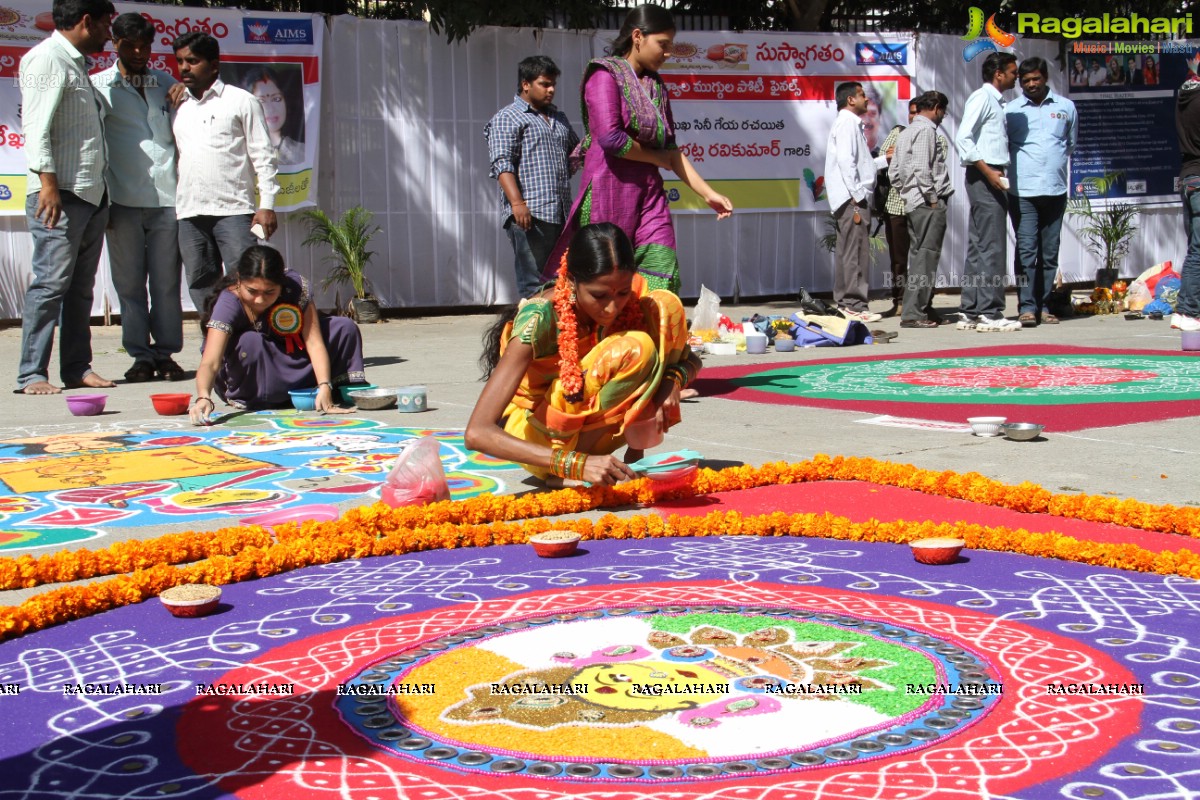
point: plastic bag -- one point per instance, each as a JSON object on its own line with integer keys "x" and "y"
{"x": 708, "y": 312}
{"x": 1138, "y": 296}
{"x": 417, "y": 477}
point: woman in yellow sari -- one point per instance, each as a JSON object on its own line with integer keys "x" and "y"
{"x": 568, "y": 370}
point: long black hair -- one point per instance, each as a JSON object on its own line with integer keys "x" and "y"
{"x": 259, "y": 261}
{"x": 595, "y": 251}
{"x": 646, "y": 18}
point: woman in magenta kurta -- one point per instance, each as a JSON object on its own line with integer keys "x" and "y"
{"x": 630, "y": 137}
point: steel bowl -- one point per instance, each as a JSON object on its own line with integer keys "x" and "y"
{"x": 1022, "y": 431}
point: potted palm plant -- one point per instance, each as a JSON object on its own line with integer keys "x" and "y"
{"x": 1107, "y": 232}
{"x": 347, "y": 238}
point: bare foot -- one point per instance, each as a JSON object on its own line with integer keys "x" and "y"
{"x": 92, "y": 380}
{"x": 40, "y": 387}
{"x": 688, "y": 394}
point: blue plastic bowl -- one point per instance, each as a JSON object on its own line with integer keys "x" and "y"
{"x": 304, "y": 399}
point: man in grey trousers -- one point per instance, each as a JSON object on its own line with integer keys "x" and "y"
{"x": 918, "y": 172}
{"x": 982, "y": 144}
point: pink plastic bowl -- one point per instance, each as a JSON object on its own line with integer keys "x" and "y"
{"x": 643, "y": 434}
{"x": 299, "y": 514}
{"x": 86, "y": 405}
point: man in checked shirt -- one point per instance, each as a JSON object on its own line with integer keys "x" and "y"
{"x": 529, "y": 142}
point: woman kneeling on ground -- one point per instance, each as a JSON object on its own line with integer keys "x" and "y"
{"x": 263, "y": 337}
{"x": 568, "y": 370}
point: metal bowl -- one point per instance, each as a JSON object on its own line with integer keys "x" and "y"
{"x": 1022, "y": 431}
{"x": 374, "y": 399}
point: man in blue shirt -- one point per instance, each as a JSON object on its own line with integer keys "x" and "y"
{"x": 528, "y": 143}
{"x": 982, "y": 144}
{"x": 143, "y": 235}
{"x": 1042, "y": 131}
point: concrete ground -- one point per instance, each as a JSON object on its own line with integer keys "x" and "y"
{"x": 1147, "y": 461}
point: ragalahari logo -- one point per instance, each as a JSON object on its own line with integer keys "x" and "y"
{"x": 976, "y": 27}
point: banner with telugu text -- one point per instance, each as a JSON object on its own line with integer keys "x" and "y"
{"x": 753, "y": 110}
{"x": 277, "y": 57}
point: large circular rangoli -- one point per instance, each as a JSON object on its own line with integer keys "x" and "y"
{"x": 657, "y": 693}
{"x": 1003, "y": 380}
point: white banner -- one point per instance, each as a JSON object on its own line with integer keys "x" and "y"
{"x": 273, "y": 55}
{"x": 753, "y": 110}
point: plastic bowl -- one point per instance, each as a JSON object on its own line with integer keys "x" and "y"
{"x": 643, "y": 434}
{"x": 373, "y": 399}
{"x": 937, "y": 551}
{"x": 346, "y": 389}
{"x": 303, "y": 399}
{"x": 986, "y": 426}
{"x": 555, "y": 544}
{"x": 191, "y": 599}
{"x": 86, "y": 405}
{"x": 1190, "y": 340}
{"x": 170, "y": 405}
{"x": 411, "y": 399}
{"x": 1022, "y": 431}
{"x": 299, "y": 514}
{"x": 721, "y": 348}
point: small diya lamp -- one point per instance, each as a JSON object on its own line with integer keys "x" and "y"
{"x": 555, "y": 544}
{"x": 191, "y": 599}
{"x": 937, "y": 550}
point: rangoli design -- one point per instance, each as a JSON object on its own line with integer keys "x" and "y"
{"x": 265, "y": 699}
{"x": 65, "y": 486}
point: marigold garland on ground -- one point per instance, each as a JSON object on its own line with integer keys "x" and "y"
{"x": 330, "y": 542}
{"x": 27, "y": 571}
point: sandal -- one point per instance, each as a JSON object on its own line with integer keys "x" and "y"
{"x": 140, "y": 372}
{"x": 1049, "y": 319}
{"x": 1029, "y": 320}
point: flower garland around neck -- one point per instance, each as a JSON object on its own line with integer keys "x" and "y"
{"x": 570, "y": 376}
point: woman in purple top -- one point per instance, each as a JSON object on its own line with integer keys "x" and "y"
{"x": 630, "y": 137}
{"x": 263, "y": 337}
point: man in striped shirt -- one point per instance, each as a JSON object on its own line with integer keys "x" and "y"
{"x": 66, "y": 205}
{"x": 528, "y": 144}
{"x": 919, "y": 174}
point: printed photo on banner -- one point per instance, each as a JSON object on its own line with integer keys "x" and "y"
{"x": 279, "y": 86}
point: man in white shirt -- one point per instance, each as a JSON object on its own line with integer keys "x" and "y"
{"x": 850, "y": 173}
{"x": 224, "y": 151}
{"x": 982, "y": 144}
{"x": 66, "y": 205}
{"x": 143, "y": 236}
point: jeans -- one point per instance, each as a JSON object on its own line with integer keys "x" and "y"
{"x": 1189, "y": 290}
{"x": 531, "y": 248}
{"x": 926, "y": 230}
{"x": 143, "y": 248}
{"x": 65, "y": 259}
{"x": 852, "y": 257}
{"x": 987, "y": 240}
{"x": 1038, "y": 223}
{"x": 205, "y": 242}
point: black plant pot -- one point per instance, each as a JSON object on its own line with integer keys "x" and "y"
{"x": 364, "y": 310}
{"x": 1105, "y": 278}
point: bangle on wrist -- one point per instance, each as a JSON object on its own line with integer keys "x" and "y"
{"x": 325, "y": 383}
{"x": 208, "y": 399}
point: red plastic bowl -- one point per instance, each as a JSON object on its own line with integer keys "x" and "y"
{"x": 555, "y": 544}
{"x": 937, "y": 551}
{"x": 170, "y": 405}
{"x": 191, "y": 599}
